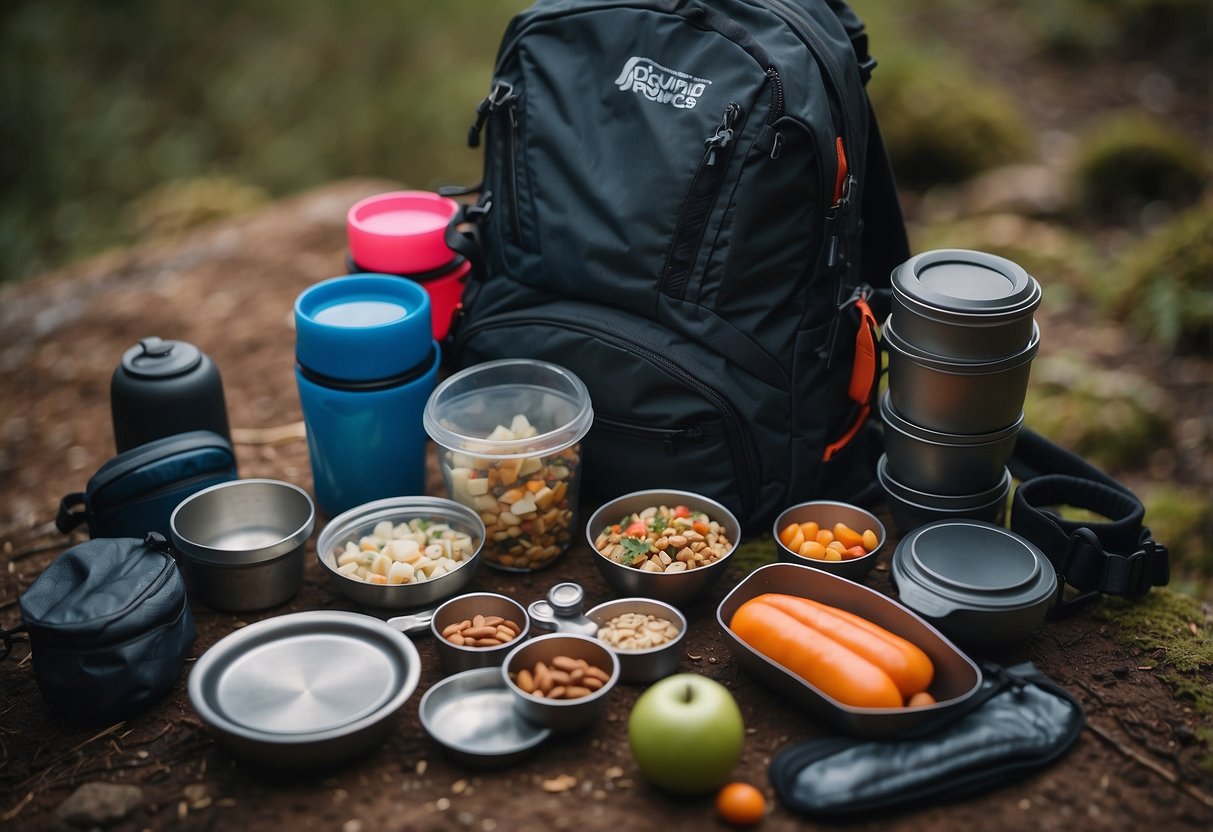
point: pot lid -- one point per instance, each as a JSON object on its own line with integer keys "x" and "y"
{"x": 157, "y": 358}
{"x": 966, "y": 282}
{"x": 975, "y": 565}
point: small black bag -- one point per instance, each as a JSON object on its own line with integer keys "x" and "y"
{"x": 109, "y": 625}
{"x": 1018, "y": 722}
{"x": 135, "y": 492}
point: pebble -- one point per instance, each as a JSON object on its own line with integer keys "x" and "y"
{"x": 560, "y": 783}
{"x": 352, "y": 825}
{"x": 99, "y": 804}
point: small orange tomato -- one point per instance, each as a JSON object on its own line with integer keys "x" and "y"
{"x": 637, "y": 528}
{"x": 701, "y": 527}
{"x": 740, "y": 804}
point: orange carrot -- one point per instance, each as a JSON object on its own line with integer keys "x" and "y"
{"x": 906, "y": 663}
{"x": 824, "y": 663}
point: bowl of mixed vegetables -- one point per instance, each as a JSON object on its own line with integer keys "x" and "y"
{"x": 402, "y": 552}
{"x": 662, "y": 544}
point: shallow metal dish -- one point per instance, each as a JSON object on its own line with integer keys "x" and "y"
{"x": 471, "y": 714}
{"x": 305, "y": 689}
{"x": 957, "y": 678}
{"x": 360, "y": 521}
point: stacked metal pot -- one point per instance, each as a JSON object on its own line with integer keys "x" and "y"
{"x": 960, "y": 340}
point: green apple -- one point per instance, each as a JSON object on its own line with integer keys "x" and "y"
{"x": 686, "y": 733}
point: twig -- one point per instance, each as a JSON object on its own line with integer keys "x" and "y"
{"x": 269, "y": 436}
{"x": 1170, "y": 776}
{"x": 16, "y": 810}
{"x": 66, "y": 754}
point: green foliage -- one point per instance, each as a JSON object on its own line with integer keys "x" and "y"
{"x": 932, "y": 140}
{"x": 1182, "y": 518}
{"x": 1080, "y": 29}
{"x": 1166, "y": 283}
{"x": 182, "y": 204}
{"x": 102, "y": 102}
{"x": 1063, "y": 261}
{"x": 1127, "y": 160}
{"x": 1113, "y": 417}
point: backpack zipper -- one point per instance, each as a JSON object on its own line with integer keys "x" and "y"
{"x": 669, "y": 437}
{"x": 692, "y": 219}
{"x": 502, "y": 96}
{"x": 804, "y": 28}
{"x": 732, "y": 423}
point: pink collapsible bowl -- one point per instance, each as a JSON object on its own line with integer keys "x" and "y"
{"x": 401, "y": 232}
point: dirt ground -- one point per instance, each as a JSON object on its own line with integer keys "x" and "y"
{"x": 229, "y": 289}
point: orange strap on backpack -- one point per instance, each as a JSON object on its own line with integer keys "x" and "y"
{"x": 864, "y": 372}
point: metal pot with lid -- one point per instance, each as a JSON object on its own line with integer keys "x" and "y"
{"x": 964, "y": 305}
{"x": 980, "y": 584}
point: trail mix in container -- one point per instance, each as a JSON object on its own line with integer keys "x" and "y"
{"x": 664, "y": 539}
{"x": 525, "y": 502}
{"x": 408, "y": 552}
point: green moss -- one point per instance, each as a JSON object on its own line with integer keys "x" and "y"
{"x": 1182, "y": 518}
{"x": 755, "y": 553}
{"x": 1085, "y": 29}
{"x": 1165, "y": 290}
{"x": 1175, "y": 627}
{"x": 1128, "y": 160}
{"x": 179, "y": 205}
{"x": 932, "y": 140}
{"x": 1115, "y": 418}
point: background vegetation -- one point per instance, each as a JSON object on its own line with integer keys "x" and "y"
{"x": 1070, "y": 135}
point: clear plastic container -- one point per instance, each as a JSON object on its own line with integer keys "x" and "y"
{"x": 509, "y": 437}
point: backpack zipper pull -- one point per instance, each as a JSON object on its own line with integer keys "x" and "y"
{"x": 498, "y": 95}
{"x": 724, "y": 133}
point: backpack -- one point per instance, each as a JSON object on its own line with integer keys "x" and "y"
{"x": 689, "y": 206}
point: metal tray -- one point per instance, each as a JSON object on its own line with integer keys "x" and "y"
{"x": 306, "y": 689}
{"x": 472, "y": 715}
{"x": 956, "y": 677}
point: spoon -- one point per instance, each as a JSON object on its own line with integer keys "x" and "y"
{"x": 416, "y": 622}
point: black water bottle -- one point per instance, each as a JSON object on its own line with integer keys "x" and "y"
{"x": 162, "y": 388}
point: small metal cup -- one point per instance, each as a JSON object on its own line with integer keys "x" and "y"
{"x": 563, "y": 716}
{"x": 455, "y": 657}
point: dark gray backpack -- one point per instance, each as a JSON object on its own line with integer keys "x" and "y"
{"x": 676, "y": 199}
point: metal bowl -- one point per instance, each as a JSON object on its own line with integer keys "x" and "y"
{"x": 639, "y": 667}
{"x": 241, "y": 542}
{"x": 676, "y": 588}
{"x": 306, "y": 689}
{"x": 361, "y": 520}
{"x": 826, "y": 513}
{"x": 951, "y": 396}
{"x": 956, "y": 679}
{"x": 911, "y": 508}
{"x": 563, "y": 716}
{"x": 471, "y": 715}
{"x": 455, "y": 657}
{"x": 945, "y": 463}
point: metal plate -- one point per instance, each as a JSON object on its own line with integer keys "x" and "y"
{"x": 472, "y": 715}
{"x": 304, "y": 677}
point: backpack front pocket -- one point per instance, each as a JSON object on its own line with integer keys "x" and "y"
{"x": 665, "y": 409}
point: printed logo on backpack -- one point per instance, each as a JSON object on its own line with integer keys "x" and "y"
{"x": 676, "y": 200}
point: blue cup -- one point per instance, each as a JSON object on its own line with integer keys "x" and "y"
{"x": 366, "y": 363}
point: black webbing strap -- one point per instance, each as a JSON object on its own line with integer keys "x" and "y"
{"x": 1116, "y": 557}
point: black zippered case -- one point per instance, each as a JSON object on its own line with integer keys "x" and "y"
{"x": 109, "y": 625}
{"x": 135, "y": 492}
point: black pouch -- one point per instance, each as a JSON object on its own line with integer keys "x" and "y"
{"x": 1018, "y": 722}
{"x": 135, "y": 492}
{"x": 109, "y": 625}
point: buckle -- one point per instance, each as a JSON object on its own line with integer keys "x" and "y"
{"x": 1137, "y": 566}
{"x": 1066, "y": 605}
